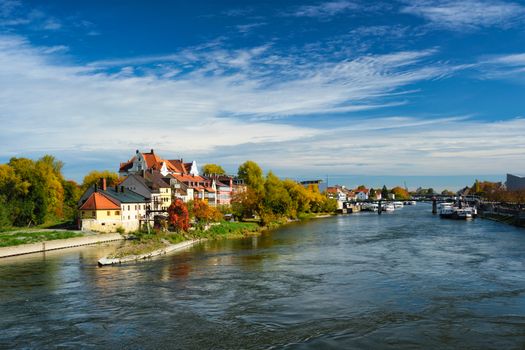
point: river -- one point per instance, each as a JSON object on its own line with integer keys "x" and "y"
{"x": 399, "y": 280}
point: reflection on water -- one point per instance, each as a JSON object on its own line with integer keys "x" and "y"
{"x": 403, "y": 280}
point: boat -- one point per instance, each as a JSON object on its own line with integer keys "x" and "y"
{"x": 449, "y": 211}
{"x": 446, "y": 210}
{"x": 389, "y": 207}
{"x": 397, "y": 205}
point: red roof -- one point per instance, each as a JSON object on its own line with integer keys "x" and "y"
{"x": 177, "y": 166}
{"x": 190, "y": 178}
{"x": 97, "y": 201}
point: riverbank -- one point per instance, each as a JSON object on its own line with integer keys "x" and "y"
{"x": 43, "y": 246}
{"x": 142, "y": 245}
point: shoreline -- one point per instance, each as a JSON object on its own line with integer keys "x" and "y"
{"x": 106, "y": 261}
{"x": 162, "y": 251}
{"x": 56, "y": 244}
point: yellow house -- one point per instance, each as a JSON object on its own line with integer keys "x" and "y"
{"x": 100, "y": 213}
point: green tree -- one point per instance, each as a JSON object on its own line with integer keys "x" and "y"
{"x": 276, "y": 198}
{"x": 372, "y": 194}
{"x": 213, "y": 169}
{"x": 384, "y": 192}
{"x": 252, "y": 175}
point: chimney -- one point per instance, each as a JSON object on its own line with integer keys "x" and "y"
{"x": 152, "y": 151}
{"x": 116, "y": 188}
{"x": 96, "y": 188}
{"x": 122, "y": 189}
{"x": 103, "y": 184}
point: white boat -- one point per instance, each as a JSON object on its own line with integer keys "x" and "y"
{"x": 449, "y": 211}
{"x": 389, "y": 207}
{"x": 397, "y": 205}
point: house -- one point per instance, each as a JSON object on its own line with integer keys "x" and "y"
{"x": 378, "y": 195}
{"x": 151, "y": 160}
{"x": 362, "y": 194}
{"x": 152, "y": 185}
{"x": 105, "y": 209}
{"x": 225, "y": 187}
{"x": 337, "y": 192}
{"x": 203, "y": 188}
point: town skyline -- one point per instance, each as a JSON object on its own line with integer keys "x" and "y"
{"x": 413, "y": 91}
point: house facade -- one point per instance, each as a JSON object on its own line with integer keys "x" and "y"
{"x": 105, "y": 209}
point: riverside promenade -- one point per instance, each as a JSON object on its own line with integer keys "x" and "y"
{"x": 45, "y": 246}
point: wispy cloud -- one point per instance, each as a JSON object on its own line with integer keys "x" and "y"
{"x": 509, "y": 67}
{"x": 325, "y": 9}
{"x": 245, "y": 28}
{"x": 466, "y": 14}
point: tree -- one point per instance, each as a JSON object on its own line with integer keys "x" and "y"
{"x": 447, "y": 193}
{"x": 384, "y": 192}
{"x": 276, "y": 198}
{"x": 178, "y": 215}
{"x": 430, "y": 191}
{"x": 213, "y": 169}
{"x": 361, "y": 187}
{"x": 94, "y": 177}
{"x": 372, "y": 194}
{"x": 252, "y": 175}
{"x": 400, "y": 193}
{"x": 204, "y": 213}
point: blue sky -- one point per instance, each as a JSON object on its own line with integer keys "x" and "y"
{"x": 394, "y": 89}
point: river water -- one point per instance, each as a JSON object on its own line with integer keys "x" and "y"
{"x": 400, "y": 280}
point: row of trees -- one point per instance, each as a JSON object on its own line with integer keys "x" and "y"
{"x": 271, "y": 198}
{"x": 496, "y": 191}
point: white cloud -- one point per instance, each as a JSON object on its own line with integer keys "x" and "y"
{"x": 325, "y": 9}
{"x": 466, "y": 14}
{"x": 218, "y": 101}
{"x": 509, "y": 67}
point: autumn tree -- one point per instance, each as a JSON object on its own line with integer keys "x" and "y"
{"x": 400, "y": 193}
{"x": 94, "y": 177}
{"x": 213, "y": 169}
{"x": 204, "y": 213}
{"x": 178, "y": 215}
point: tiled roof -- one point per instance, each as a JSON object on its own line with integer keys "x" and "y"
{"x": 127, "y": 165}
{"x": 190, "y": 178}
{"x": 98, "y": 201}
{"x": 177, "y": 166}
{"x": 127, "y": 196}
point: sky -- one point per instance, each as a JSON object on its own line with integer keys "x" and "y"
{"x": 427, "y": 92}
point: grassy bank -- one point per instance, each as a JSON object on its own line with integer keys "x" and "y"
{"x": 143, "y": 243}
{"x": 14, "y": 238}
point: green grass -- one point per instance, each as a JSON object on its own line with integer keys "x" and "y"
{"x": 228, "y": 229}
{"x": 9, "y": 239}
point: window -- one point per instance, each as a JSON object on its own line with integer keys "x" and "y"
{"x": 109, "y": 213}
{"x": 117, "y": 212}
{"x": 94, "y": 213}
{"x": 128, "y": 207}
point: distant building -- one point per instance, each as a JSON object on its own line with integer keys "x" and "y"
{"x": 515, "y": 183}
{"x": 362, "y": 194}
